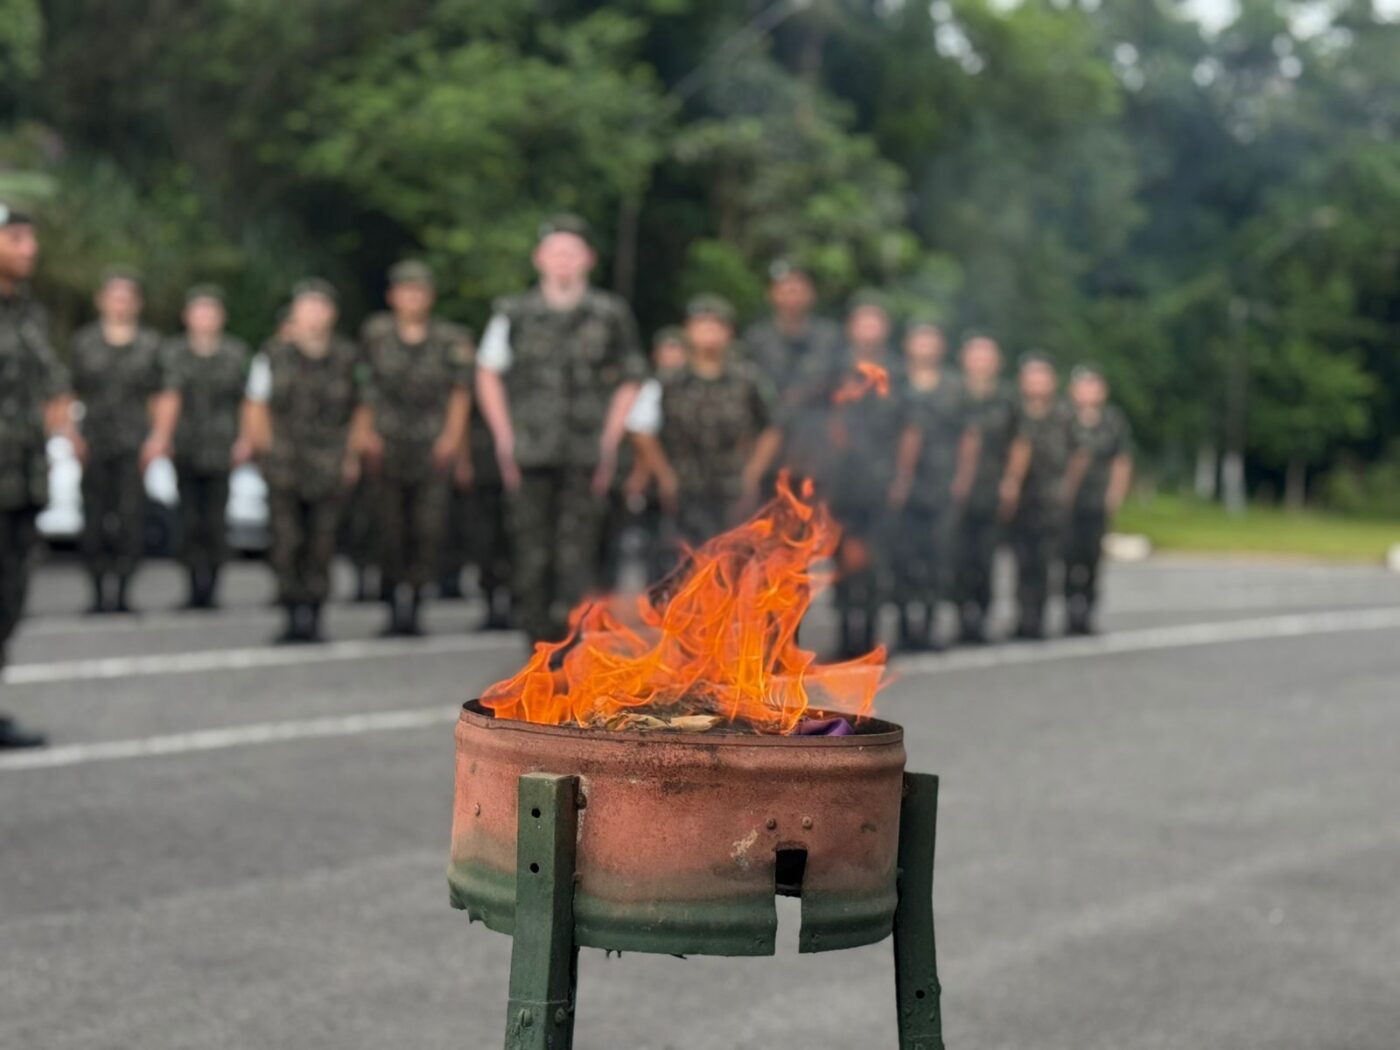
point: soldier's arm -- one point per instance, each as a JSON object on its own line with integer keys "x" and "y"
{"x": 659, "y": 467}
{"x": 765, "y": 453}
{"x": 906, "y": 462}
{"x": 165, "y": 414}
{"x": 494, "y": 403}
{"x": 1018, "y": 461}
{"x": 1077, "y": 467}
{"x": 969, "y": 452}
{"x": 1119, "y": 478}
{"x": 634, "y": 370}
{"x": 254, "y": 416}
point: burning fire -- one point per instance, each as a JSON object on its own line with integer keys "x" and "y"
{"x": 720, "y": 640}
{"x": 869, "y": 377}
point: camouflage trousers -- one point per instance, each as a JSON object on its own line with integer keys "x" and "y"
{"x": 488, "y": 540}
{"x": 114, "y": 505}
{"x": 1083, "y": 552}
{"x": 922, "y": 551}
{"x": 203, "y": 505}
{"x": 18, "y": 542}
{"x": 555, "y": 527}
{"x": 411, "y": 514}
{"x": 303, "y": 544}
{"x": 1035, "y": 538}
{"x": 359, "y": 520}
{"x": 975, "y": 541}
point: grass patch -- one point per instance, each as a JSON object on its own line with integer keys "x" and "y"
{"x": 1174, "y": 523}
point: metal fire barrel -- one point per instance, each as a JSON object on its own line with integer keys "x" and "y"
{"x": 685, "y": 838}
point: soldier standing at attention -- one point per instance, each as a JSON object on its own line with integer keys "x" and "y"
{"x": 803, "y": 358}
{"x": 935, "y": 472}
{"x": 419, "y": 373}
{"x": 33, "y": 401}
{"x": 1032, "y": 492}
{"x": 304, "y": 393}
{"x": 557, "y": 373}
{"x": 1100, "y": 470}
{"x": 866, "y": 430}
{"x": 991, "y": 410}
{"x": 706, "y": 432}
{"x": 128, "y": 421}
{"x": 208, "y": 369}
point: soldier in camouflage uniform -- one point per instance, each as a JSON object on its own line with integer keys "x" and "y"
{"x": 1032, "y": 492}
{"x": 208, "y": 368}
{"x": 670, "y": 355}
{"x": 935, "y": 473}
{"x": 558, "y": 370}
{"x": 991, "y": 411}
{"x": 706, "y": 432}
{"x": 33, "y": 399}
{"x": 866, "y": 431}
{"x": 1100, "y": 470}
{"x": 128, "y": 418}
{"x": 803, "y": 358}
{"x": 419, "y": 373}
{"x": 304, "y": 414}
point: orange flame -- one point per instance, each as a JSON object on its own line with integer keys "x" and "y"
{"x": 721, "y": 639}
{"x": 870, "y": 377}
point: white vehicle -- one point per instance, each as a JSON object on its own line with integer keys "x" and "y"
{"x": 61, "y": 522}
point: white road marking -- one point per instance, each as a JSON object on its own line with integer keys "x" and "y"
{"x": 246, "y": 659}
{"x": 1154, "y": 639}
{"x": 1179, "y": 636}
{"x": 232, "y": 736}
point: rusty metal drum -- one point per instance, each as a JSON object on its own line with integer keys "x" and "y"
{"x": 684, "y": 838}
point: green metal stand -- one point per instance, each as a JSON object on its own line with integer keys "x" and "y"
{"x": 917, "y": 990}
{"x": 544, "y": 958}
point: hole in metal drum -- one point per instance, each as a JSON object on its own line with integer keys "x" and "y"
{"x": 790, "y": 866}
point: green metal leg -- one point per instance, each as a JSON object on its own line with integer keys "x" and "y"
{"x": 544, "y": 958}
{"x": 915, "y": 959}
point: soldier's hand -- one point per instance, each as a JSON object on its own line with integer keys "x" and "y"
{"x": 510, "y": 470}
{"x": 899, "y": 492}
{"x": 446, "y": 454}
{"x": 1010, "y": 499}
{"x": 350, "y": 470}
{"x": 153, "y": 449}
{"x": 80, "y": 448}
{"x": 668, "y": 491}
{"x": 241, "y": 453}
{"x": 463, "y": 473}
{"x": 604, "y": 474}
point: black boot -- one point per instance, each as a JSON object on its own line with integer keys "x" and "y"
{"x": 363, "y": 592}
{"x": 411, "y": 626}
{"x": 914, "y": 634}
{"x": 393, "y": 624}
{"x": 1031, "y": 626}
{"x": 972, "y": 629}
{"x": 498, "y": 616}
{"x": 14, "y": 736}
{"x": 99, "y": 594}
{"x": 312, "y": 631}
{"x": 1079, "y": 617}
{"x": 192, "y": 601}
{"x": 120, "y": 604}
{"x": 208, "y": 595}
{"x": 450, "y": 586}
{"x": 291, "y": 630}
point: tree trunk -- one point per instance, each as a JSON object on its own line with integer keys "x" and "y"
{"x": 1295, "y": 485}
{"x": 1207, "y": 472}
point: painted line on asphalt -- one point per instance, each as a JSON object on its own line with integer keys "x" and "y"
{"x": 249, "y": 659}
{"x": 1151, "y": 639}
{"x": 232, "y": 736}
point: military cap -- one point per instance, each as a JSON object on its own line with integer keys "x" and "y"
{"x": 566, "y": 222}
{"x": 716, "y": 306}
{"x": 119, "y": 273}
{"x": 920, "y": 322}
{"x": 411, "y": 271}
{"x": 1086, "y": 370}
{"x": 14, "y": 217}
{"x": 315, "y": 286}
{"x": 670, "y": 334}
{"x": 1035, "y": 358}
{"x": 781, "y": 269}
{"x": 867, "y": 299}
{"x": 204, "y": 291}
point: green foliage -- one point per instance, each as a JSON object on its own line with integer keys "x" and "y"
{"x": 1100, "y": 181}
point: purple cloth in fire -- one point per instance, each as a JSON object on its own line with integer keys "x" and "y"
{"x": 825, "y": 727}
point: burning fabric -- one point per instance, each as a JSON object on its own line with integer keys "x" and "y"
{"x": 713, "y": 646}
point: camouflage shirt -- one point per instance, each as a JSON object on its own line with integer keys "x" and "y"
{"x": 1104, "y": 440}
{"x": 864, "y": 439}
{"x": 311, "y": 402}
{"x": 565, "y": 368}
{"x": 115, "y": 384}
{"x": 409, "y": 388}
{"x": 941, "y": 414}
{"x": 709, "y": 426}
{"x": 803, "y": 371}
{"x": 30, "y": 376}
{"x": 211, "y": 391}
{"x": 994, "y": 416}
{"x": 1049, "y": 437}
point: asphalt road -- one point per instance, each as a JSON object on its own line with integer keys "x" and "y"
{"x": 1181, "y": 834}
